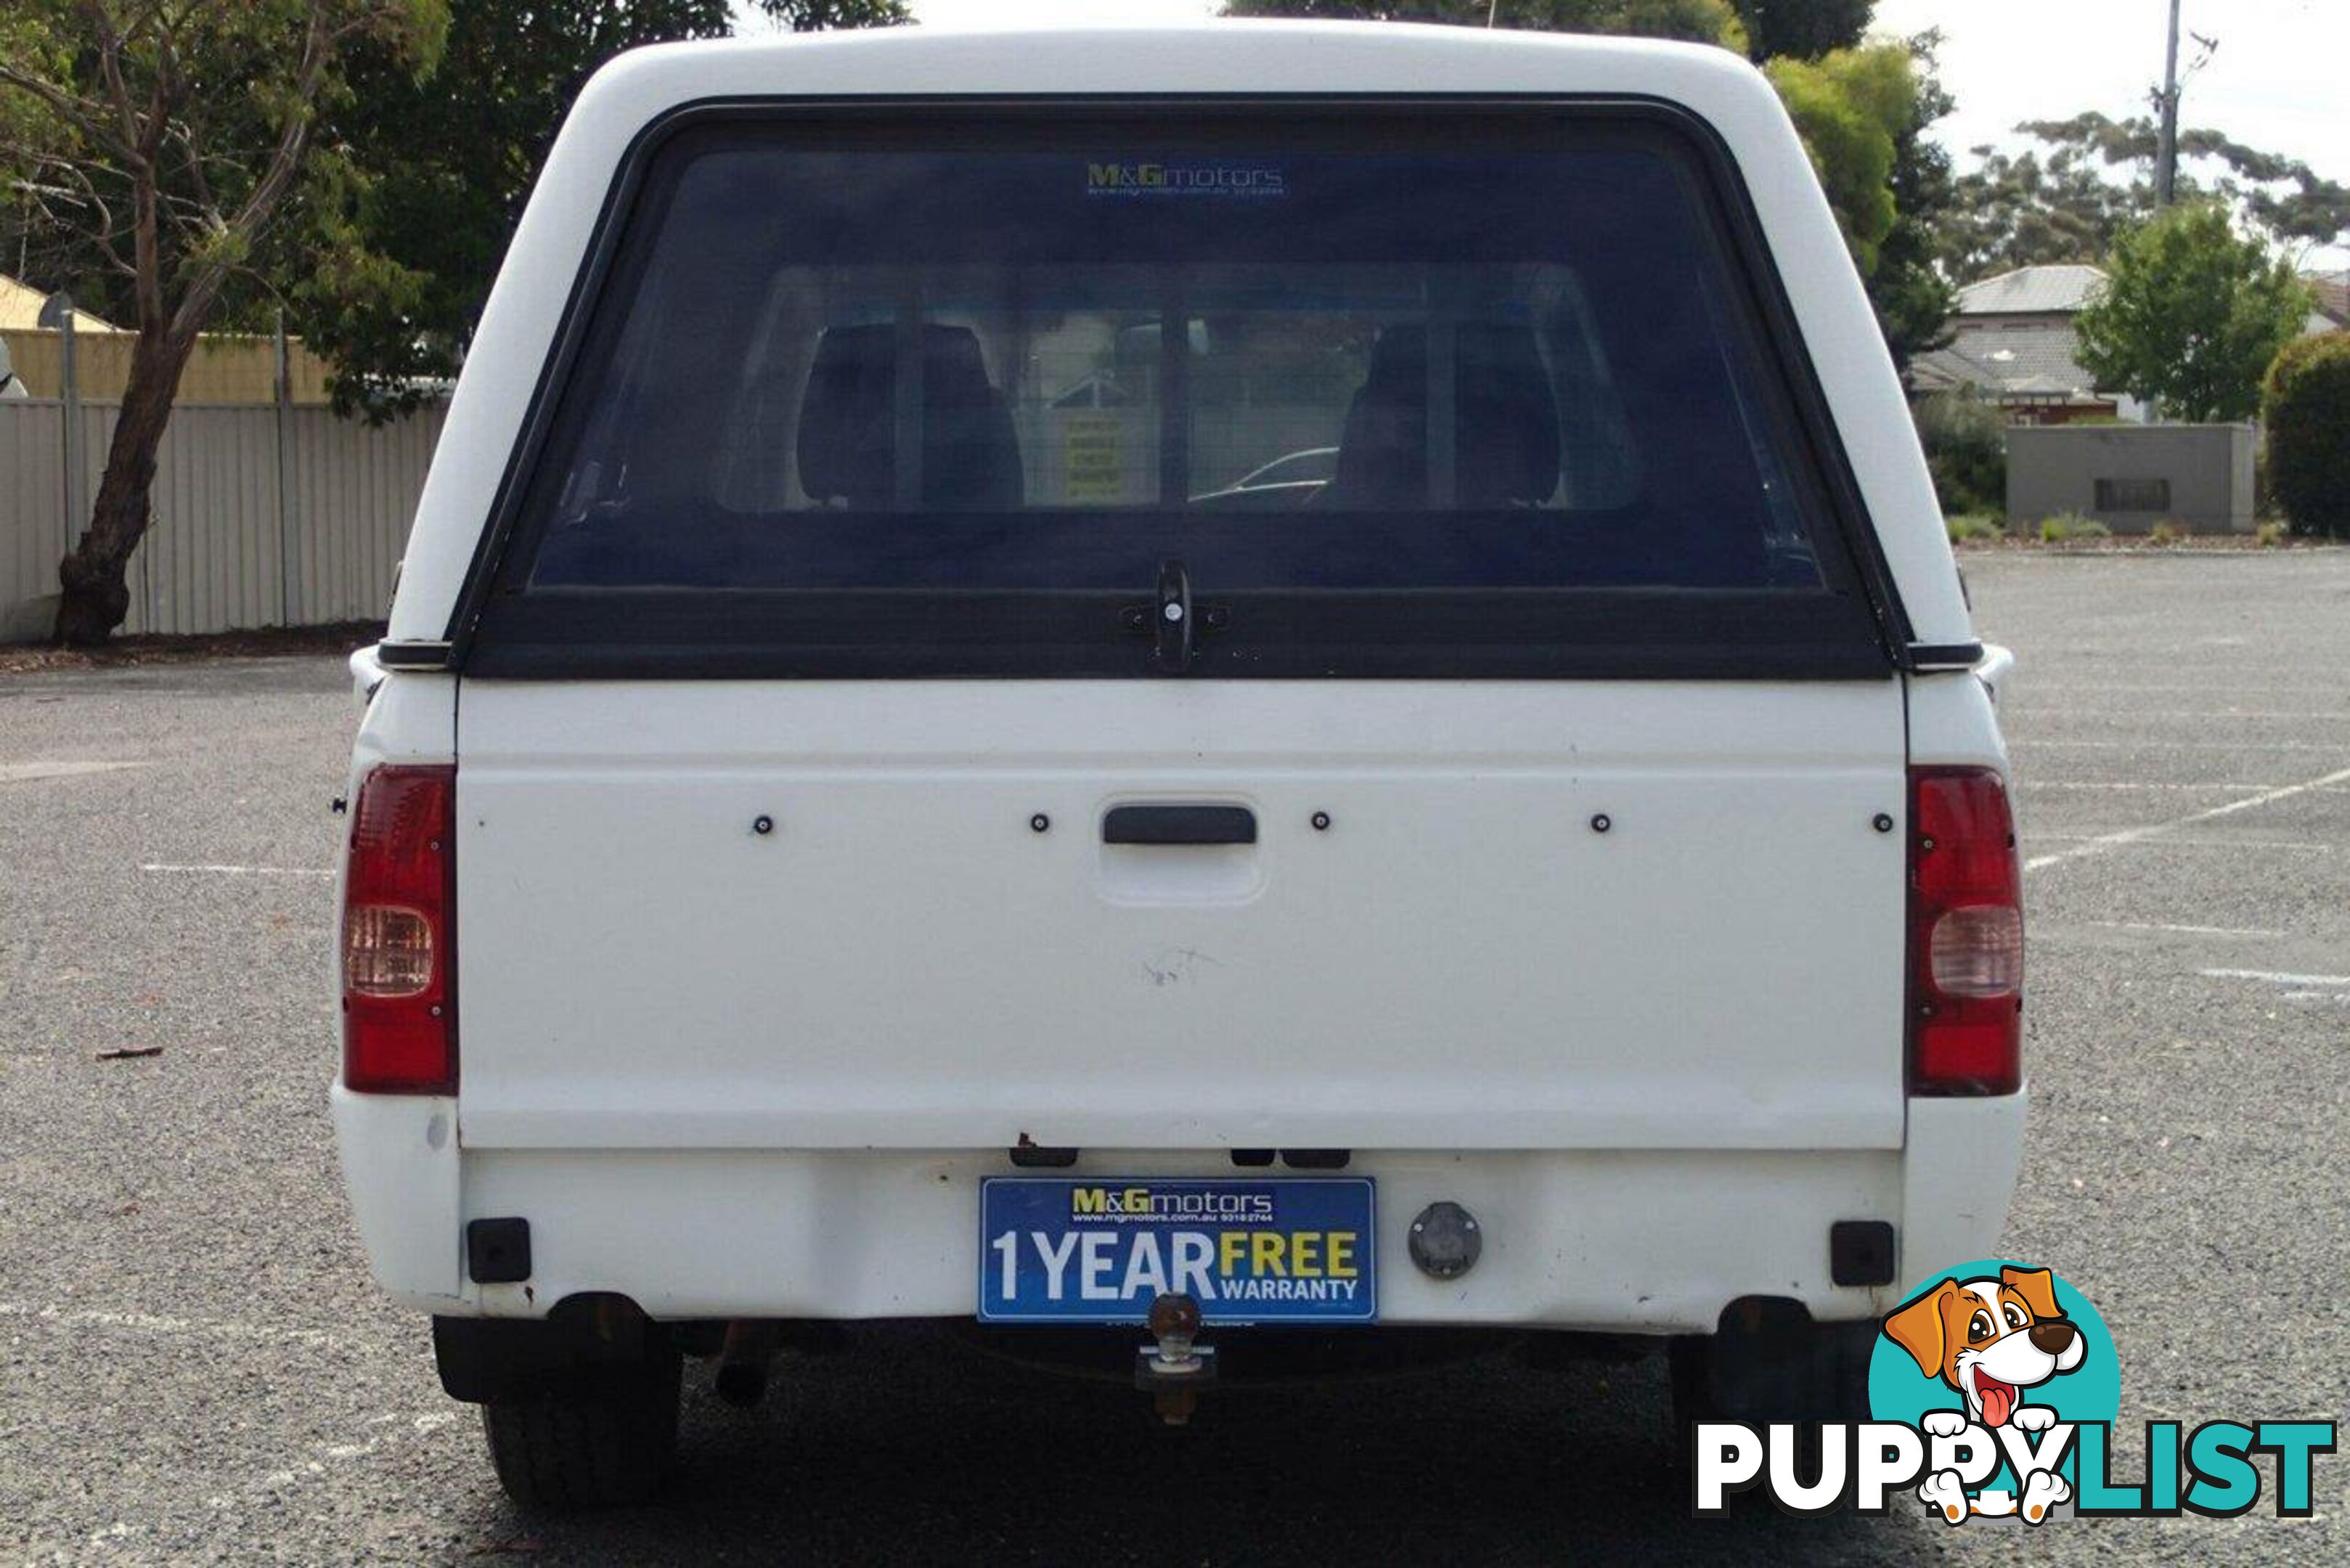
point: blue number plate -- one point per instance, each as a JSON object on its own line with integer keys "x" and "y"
{"x": 1084, "y": 1249}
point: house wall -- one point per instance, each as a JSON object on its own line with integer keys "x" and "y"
{"x": 223, "y": 367}
{"x": 2199, "y": 475}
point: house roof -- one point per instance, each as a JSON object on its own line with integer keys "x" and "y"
{"x": 2023, "y": 363}
{"x": 2032, "y": 291}
{"x": 2332, "y": 292}
{"x": 20, "y": 309}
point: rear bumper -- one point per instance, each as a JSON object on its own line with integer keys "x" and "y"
{"x": 1636, "y": 1241}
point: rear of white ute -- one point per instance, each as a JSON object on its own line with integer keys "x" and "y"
{"x": 873, "y": 806}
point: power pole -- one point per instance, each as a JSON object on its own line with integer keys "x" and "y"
{"x": 2166, "y": 156}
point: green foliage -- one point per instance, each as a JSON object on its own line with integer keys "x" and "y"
{"x": 1910, "y": 291}
{"x": 2192, "y": 315}
{"x": 1863, "y": 111}
{"x": 1806, "y": 29}
{"x": 1852, "y": 107}
{"x": 2306, "y": 406}
{"x": 2168, "y": 532}
{"x": 2093, "y": 177}
{"x": 825, "y": 16}
{"x": 157, "y": 145}
{"x": 2269, "y": 535}
{"x": 1690, "y": 21}
{"x": 2066, "y": 526}
{"x": 1967, "y": 528}
{"x": 1965, "y": 439}
{"x": 427, "y": 175}
{"x": 154, "y": 148}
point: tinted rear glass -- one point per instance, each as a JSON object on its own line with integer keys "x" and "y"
{"x": 1302, "y": 359}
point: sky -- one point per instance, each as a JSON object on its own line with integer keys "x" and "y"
{"x": 2275, "y": 82}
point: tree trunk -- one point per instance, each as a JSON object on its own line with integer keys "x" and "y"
{"x": 95, "y": 576}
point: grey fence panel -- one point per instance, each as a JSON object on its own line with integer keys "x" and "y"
{"x": 32, "y": 510}
{"x": 352, "y": 494}
{"x": 263, "y": 516}
{"x": 211, "y": 557}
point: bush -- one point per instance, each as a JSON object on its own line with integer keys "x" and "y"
{"x": 1968, "y": 526}
{"x": 2067, "y": 525}
{"x": 1965, "y": 439}
{"x": 2167, "y": 532}
{"x": 2307, "y": 409}
{"x": 2269, "y": 536}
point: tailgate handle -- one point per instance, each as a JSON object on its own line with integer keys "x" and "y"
{"x": 1179, "y": 825}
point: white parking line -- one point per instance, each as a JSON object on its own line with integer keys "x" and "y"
{"x": 243, "y": 870}
{"x": 2183, "y": 930}
{"x": 2156, "y": 829}
{"x": 2270, "y": 977}
{"x": 151, "y": 1322}
{"x": 28, "y": 772}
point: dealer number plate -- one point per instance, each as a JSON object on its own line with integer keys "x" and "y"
{"x": 1100, "y": 1250}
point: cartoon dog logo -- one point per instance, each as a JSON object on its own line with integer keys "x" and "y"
{"x": 1991, "y": 1339}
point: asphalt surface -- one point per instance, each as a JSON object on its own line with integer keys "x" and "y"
{"x": 193, "y": 1363}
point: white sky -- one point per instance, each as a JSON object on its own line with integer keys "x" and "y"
{"x": 2275, "y": 82}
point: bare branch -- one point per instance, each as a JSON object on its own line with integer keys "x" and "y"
{"x": 109, "y": 67}
{"x": 79, "y": 113}
{"x": 103, "y": 231}
{"x": 317, "y": 49}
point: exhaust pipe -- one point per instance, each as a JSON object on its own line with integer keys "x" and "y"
{"x": 742, "y": 1362}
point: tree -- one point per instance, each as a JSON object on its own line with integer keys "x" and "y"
{"x": 2024, "y": 210}
{"x": 165, "y": 136}
{"x": 1690, "y": 21}
{"x": 1864, "y": 111}
{"x": 2191, "y": 313}
{"x": 1852, "y": 106}
{"x": 1804, "y": 29}
{"x": 1965, "y": 439}
{"x": 2306, "y": 406}
{"x": 2093, "y": 177}
{"x": 421, "y": 180}
{"x": 1910, "y": 288}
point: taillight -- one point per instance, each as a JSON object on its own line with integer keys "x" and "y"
{"x": 1966, "y": 935}
{"x": 400, "y": 927}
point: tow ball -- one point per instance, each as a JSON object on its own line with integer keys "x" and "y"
{"x": 1174, "y": 1367}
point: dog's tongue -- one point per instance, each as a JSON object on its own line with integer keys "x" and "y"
{"x": 1998, "y": 1399}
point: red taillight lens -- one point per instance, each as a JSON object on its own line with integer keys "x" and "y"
{"x": 399, "y": 917}
{"x": 1966, "y": 935}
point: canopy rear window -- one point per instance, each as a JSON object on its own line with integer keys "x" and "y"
{"x": 1406, "y": 393}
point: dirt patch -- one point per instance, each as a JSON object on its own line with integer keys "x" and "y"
{"x": 266, "y": 643}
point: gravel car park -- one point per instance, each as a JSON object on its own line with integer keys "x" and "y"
{"x": 196, "y": 1366}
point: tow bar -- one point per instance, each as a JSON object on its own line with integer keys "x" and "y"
{"x": 1173, "y": 1368}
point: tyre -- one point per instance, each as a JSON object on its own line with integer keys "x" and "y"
{"x": 603, "y": 1440}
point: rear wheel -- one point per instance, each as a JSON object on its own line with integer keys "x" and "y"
{"x": 602, "y": 1439}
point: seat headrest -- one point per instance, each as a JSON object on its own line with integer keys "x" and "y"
{"x": 1506, "y": 421}
{"x": 848, "y": 422}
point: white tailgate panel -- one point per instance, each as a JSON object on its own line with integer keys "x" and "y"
{"x": 1458, "y": 962}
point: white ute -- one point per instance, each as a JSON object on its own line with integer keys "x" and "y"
{"x": 885, "y": 796}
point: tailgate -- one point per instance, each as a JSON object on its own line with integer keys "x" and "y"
{"x": 1462, "y": 959}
